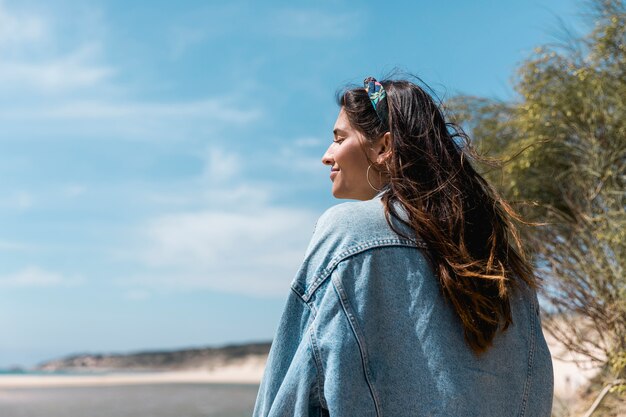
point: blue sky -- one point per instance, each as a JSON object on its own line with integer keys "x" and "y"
{"x": 160, "y": 165}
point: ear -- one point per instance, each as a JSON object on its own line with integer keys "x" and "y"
{"x": 383, "y": 148}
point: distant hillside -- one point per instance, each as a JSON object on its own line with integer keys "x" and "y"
{"x": 200, "y": 358}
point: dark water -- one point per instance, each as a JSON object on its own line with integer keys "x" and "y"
{"x": 154, "y": 400}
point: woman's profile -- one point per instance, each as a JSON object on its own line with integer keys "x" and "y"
{"x": 416, "y": 299}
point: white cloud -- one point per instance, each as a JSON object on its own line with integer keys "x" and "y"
{"x": 18, "y": 28}
{"x": 195, "y": 193}
{"x": 62, "y": 74}
{"x": 209, "y": 237}
{"x": 20, "y": 200}
{"x": 221, "y": 165}
{"x": 30, "y": 61}
{"x": 24, "y": 200}
{"x": 212, "y": 108}
{"x": 35, "y": 277}
{"x": 300, "y": 163}
{"x": 300, "y": 155}
{"x": 126, "y": 120}
{"x": 63, "y": 88}
{"x": 256, "y": 251}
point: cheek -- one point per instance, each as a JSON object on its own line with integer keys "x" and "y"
{"x": 347, "y": 157}
{"x": 355, "y": 160}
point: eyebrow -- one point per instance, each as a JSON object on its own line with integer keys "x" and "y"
{"x": 338, "y": 131}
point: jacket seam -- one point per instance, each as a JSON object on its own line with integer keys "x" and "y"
{"x": 316, "y": 356}
{"x": 317, "y": 359}
{"x": 531, "y": 355}
{"x": 347, "y": 309}
{"x": 321, "y": 276}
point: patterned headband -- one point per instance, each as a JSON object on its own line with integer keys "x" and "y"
{"x": 378, "y": 97}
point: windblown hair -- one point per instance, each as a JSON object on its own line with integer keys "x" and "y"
{"x": 474, "y": 245}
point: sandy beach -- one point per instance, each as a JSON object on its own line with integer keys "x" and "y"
{"x": 248, "y": 371}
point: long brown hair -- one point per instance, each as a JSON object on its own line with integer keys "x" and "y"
{"x": 474, "y": 246}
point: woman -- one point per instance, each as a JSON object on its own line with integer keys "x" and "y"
{"x": 416, "y": 300}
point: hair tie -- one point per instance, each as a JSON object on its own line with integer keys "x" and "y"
{"x": 378, "y": 96}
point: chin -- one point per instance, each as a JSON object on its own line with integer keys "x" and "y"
{"x": 343, "y": 195}
{"x": 338, "y": 193}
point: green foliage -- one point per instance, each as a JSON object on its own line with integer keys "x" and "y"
{"x": 563, "y": 143}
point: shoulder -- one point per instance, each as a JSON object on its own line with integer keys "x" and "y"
{"x": 353, "y": 216}
{"x": 343, "y": 231}
{"x": 358, "y": 221}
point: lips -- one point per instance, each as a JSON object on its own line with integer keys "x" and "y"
{"x": 333, "y": 173}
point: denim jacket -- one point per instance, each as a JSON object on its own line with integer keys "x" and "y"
{"x": 365, "y": 331}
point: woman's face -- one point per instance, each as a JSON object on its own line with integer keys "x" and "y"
{"x": 346, "y": 158}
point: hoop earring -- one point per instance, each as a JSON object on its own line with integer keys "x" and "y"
{"x": 367, "y": 176}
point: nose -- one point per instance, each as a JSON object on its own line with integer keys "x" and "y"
{"x": 328, "y": 158}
